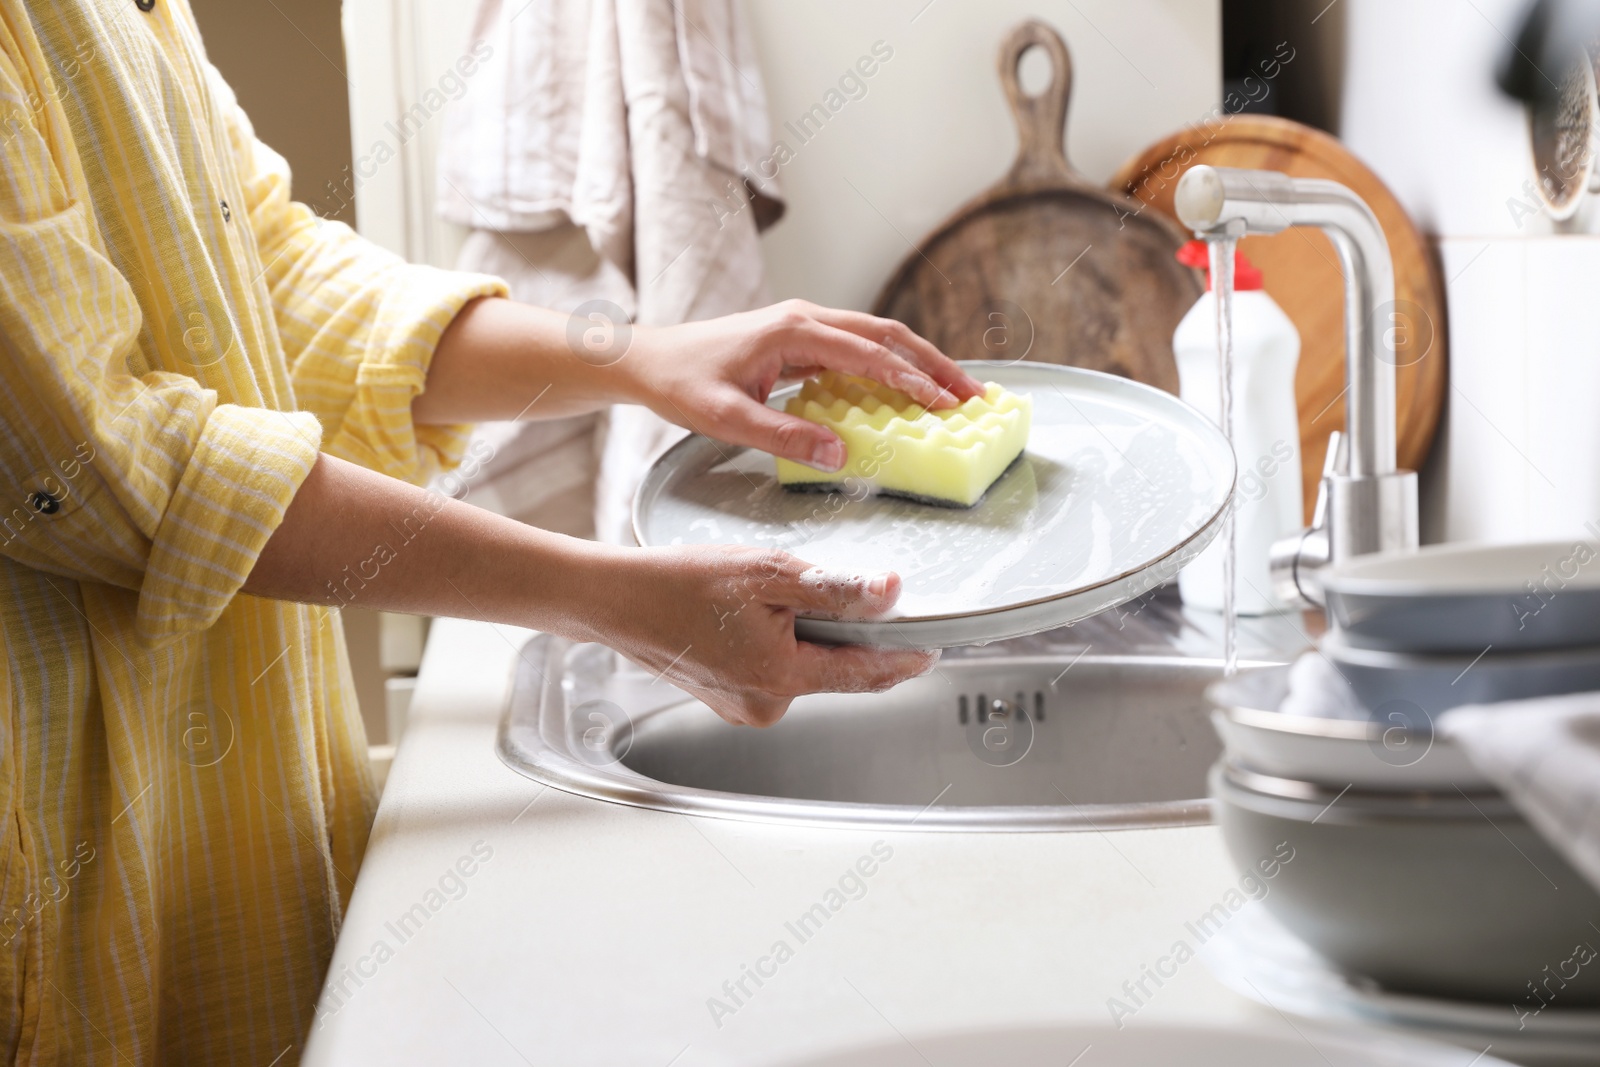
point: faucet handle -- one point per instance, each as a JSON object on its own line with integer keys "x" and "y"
{"x": 1293, "y": 561}
{"x": 1336, "y": 461}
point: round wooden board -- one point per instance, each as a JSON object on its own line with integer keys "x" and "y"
{"x": 1045, "y": 265}
{"x": 1302, "y": 274}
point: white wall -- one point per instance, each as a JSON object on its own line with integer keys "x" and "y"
{"x": 1421, "y": 108}
{"x": 1518, "y": 454}
{"x": 933, "y": 128}
{"x": 395, "y": 50}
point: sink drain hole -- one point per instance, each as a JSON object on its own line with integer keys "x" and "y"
{"x": 983, "y": 708}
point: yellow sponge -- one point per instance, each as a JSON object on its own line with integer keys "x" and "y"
{"x": 948, "y": 457}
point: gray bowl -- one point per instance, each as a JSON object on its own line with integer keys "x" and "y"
{"x": 1444, "y": 895}
{"x": 1397, "y": 686}
{"x": 1464, "y": 598}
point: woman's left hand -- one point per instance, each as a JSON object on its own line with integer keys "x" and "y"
{"x": 714, "y": 376}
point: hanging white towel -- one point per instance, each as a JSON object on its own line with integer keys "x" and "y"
{"x": 642, "y": 123}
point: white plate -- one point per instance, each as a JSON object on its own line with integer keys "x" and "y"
{"x": 1341, "y": 753}
{"x": 1120, "y": 486}
{"x": 1152, "y": 1046}
{"x": 1255, "y": 956}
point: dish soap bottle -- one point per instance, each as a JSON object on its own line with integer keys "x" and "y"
{"x": 1267, "y": 501}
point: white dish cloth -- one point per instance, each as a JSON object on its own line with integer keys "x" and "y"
{"x": 616, "y": 151}
{"x": 1544, "y": 754}
{"x": 1318, "y": 691}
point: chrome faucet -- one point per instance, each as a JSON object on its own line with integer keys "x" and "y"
{"x": 1364, "y": 504}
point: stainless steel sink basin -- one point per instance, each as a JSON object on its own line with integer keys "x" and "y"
{"x": 1034, "y": 735}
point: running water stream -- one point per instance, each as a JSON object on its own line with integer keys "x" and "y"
{"x": 1221, "y": 250}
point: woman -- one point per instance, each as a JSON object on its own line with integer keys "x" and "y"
{"x": 217, "y": 411}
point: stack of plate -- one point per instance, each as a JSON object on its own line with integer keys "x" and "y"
{"x": 1404, "y": 866}
{"x": 1408, "y": 867}
{"x": 1415, "y": 635}
{"x": 1466, "y": 624}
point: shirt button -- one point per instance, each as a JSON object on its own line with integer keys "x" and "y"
{"x": 227, "y": 212}
{"x": 145, "y": 5}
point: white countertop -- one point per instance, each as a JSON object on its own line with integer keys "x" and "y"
{"x": 596, "y": 934}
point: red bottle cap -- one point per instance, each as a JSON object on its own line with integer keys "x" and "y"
{"x": 1245, "y": 274}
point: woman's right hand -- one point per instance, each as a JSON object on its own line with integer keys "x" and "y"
{"x": 718, "y": 622}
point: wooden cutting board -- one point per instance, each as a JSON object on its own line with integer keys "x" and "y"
{"x": 1044, "y": 265}
{"x": 1302, "y": 274}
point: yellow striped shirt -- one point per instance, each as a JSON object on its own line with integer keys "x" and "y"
{"x": 182, "y": 767}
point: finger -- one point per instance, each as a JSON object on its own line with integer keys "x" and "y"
{"x": 905, "y": 342}
{"x": 751, "y": 423}
{"x": 858, "y": 668}
{"x": 842, "y": 350}
{"x": 833, "y": 594}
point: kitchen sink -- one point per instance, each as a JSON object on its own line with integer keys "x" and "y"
{"x": 1044, "y": 733}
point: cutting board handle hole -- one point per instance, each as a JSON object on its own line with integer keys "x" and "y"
{"x": 1035, "y": 72}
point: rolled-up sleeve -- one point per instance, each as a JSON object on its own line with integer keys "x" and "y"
{"x": 359, "y": 325}
{"x": 137, "y": 480}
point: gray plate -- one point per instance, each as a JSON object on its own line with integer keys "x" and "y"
{"x": 1396, "y": 685}
{"x": 1375, "y": 756}
{"x": 1121, "y": 485}
{"x": 1464, "y": 598}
